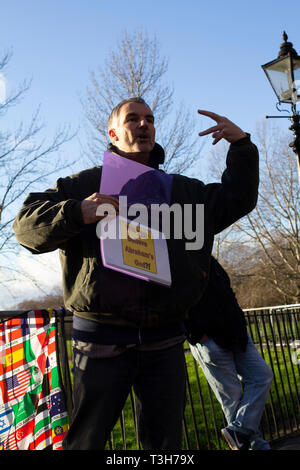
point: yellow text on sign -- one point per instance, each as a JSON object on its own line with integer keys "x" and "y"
{"x": 138, "y": 252}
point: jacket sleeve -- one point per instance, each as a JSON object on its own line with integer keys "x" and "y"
{"x": 237, "y": 194}
{"x": 47, "y": 220}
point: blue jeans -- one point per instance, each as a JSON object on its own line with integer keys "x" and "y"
{"x": 224, "y": 371}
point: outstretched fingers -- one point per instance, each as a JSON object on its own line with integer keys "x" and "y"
{"x": 216, "y": 131}
{"x": 224, "y": 129}
{"x": 210, "y": 130}
{"x": 216, "y": 117}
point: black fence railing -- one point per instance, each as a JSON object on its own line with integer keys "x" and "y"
{"x": 276, "y": 334}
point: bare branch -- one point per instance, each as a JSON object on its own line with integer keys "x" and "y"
{"x": 271, "y": 252}
{"x": 136, "y": 68}
{"x": 24, "y": 162}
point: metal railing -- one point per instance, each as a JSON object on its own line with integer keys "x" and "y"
{"x": 276, "y": 331}
{"x": 276, "y": 334}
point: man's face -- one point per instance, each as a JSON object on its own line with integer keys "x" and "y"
{"x": 133, "y": 130}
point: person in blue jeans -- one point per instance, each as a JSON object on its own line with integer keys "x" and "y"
{"x": 220, "y": 343}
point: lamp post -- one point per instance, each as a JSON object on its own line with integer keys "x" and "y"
{"x": 283, "y": 74}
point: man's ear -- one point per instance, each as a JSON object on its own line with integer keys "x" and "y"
{"x": 113, "y": 136}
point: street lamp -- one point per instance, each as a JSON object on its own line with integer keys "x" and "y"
{"x": 284, "y": 75}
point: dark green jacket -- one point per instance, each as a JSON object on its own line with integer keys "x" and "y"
{"x": 52, "y": 219}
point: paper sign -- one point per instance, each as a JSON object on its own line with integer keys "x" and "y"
{"x": 146, "y": 257}
{"x": 138, "y": 252}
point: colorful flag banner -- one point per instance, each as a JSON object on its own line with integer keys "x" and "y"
{"x": 33, "y": 412}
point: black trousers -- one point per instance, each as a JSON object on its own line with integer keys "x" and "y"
{"x": 101, "y": 387}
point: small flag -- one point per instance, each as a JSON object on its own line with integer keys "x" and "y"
{"x": 18, "y": 384}
{"x": 6, "y": 420}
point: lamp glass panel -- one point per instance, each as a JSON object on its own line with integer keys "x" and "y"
{"x": 279, "y": 74}
{"x": 296, "y": 66}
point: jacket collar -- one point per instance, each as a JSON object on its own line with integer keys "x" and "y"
{"x": 157, "y": 155}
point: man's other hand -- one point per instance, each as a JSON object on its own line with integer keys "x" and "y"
{"x": 224, "y": 129}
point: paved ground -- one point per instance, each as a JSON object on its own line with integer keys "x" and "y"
{"x": 290, "y": 443}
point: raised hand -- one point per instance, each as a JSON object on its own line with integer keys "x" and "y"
{"x": 224, "y": 129}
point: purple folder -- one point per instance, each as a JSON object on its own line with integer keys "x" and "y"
{"x": 140, "y": 183}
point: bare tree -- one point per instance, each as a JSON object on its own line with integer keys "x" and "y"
{"x": 26, "y": 160}
{"x": 275, "y": 223}
{"x": 53, "y": 300}
{"x": 136, "y": 68}
{"x": 263, "y": 248}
